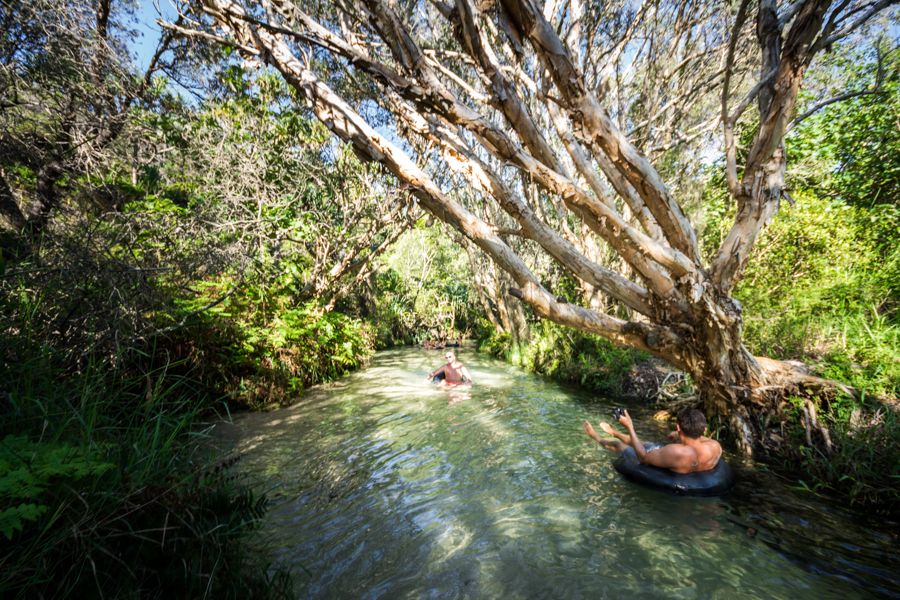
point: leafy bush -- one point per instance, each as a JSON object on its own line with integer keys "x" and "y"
{"x": 423, "y": 289}
{"x": 394, "y": 318}
{"x": 863, "y": 467}
{"x": 816, "y": 290}
{"x": 564, "y": 354}
{"x": 31, "y": 472}
{"x": 498, "y": 345}
{"x": 260, "y": 358}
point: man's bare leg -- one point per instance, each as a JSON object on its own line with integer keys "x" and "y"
{"x": 608, "y": 429}
{"x": 615, "y": 446}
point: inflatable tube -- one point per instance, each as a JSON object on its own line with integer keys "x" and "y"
{"x": 707, "y": 483}
{"x": 438, "y": 378}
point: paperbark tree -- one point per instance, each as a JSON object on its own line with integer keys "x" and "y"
{"x": 507, "y": 95}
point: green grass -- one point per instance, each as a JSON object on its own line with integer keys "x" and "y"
{"x": 864, "y": 465}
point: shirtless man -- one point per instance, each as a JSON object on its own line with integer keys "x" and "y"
{"x": 455, "y": 373}
{"x": 692, "y": 453}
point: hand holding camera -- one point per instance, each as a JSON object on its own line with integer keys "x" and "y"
{"x": 620, "y": 413}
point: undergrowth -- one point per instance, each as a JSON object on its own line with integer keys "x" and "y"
{"x": 563, "y": 354}
{"x": 822, "y": 287}
{"x": 263, "y": 357}
{"x": 109, "y": 486}
{"x": 863, "y": 465}
{"x": 108, "y": 489}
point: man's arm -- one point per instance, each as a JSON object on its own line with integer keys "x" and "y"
{"x": 634, "y": 442}
{"x": 434, "y": 373}
{"x": 667, "y": 457}
{"x": 465, "y": 373}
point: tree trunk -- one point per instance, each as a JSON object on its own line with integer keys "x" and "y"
{"x": 736, "y": 387}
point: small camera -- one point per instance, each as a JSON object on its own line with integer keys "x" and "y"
{"x": 618, "y": 413}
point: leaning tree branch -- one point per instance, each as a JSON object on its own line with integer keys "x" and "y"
{"x": 849, "y": 28}
{"x": 727, "y": 123}
{"x": 594, "y": 127}
{"x": 505, "y": 96}
{"x": 433, "y": 97}
{"x": 760, "y": 190}
{"x": 203, "y": 35}
{"x": 797, "y": 120}
{"x": 482, "y": 177}
{"x": 751, "y": 95}
{"x": 349, "y": 126}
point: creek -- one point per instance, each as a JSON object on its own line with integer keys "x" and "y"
{"x": 385, "y": 486}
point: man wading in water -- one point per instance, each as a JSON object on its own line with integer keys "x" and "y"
{"x": 692, "y": 454}
{"x": 453, "y": 373}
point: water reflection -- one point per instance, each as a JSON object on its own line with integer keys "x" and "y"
{"x": 385, "y": 486}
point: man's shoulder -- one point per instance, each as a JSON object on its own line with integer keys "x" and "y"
{"x": 711, "y": 443}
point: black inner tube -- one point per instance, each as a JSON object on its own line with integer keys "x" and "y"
{"x": 706, "y": 483}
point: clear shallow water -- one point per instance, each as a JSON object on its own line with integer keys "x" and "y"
{"x": 384, "y": 486}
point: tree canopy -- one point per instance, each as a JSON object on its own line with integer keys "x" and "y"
{"x": 526, "y": 126}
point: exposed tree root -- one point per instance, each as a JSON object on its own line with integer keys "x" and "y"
{"x": 793, "y": 378}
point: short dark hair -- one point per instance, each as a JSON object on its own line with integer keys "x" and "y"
{"x": 692, "y": 422}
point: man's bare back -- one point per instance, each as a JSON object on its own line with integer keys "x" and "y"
{"x": 701, "y": 454}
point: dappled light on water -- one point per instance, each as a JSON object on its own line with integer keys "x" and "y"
{"x": 384, "y": 485}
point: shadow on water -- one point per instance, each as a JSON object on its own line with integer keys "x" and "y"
{"x": 818, "y": 537}
{"x": 384, "y": 486}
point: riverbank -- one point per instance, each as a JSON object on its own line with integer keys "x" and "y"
{"x": 108, "y": 488}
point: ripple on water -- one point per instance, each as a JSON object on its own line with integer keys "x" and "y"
{"x": 386, "y": 487}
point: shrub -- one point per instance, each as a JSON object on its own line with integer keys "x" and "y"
{"x": 263, "y": 358}
{"x": 864, "y": 465}
{"x": 564, "y": 354}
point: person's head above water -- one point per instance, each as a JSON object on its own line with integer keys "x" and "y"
{"x": 450, "y": 356}
{"x": 691, "y": 422}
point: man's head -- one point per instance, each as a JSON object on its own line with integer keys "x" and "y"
{"x": 450, "y": 357}
{"x": 691, "y": 422}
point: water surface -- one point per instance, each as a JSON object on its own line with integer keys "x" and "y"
{"x": 384, "y": 486}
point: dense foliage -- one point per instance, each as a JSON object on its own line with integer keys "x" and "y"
{"x": 266, "y": 358}
{"x": 589, "y": 361}
{"x": 147, "y": 287}
{"x": 423, "y": 290}
{"x": 101, "y": 491}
